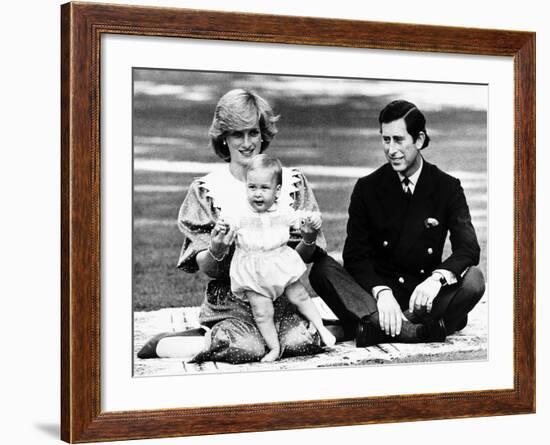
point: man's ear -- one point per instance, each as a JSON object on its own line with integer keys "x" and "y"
{"x": 420, "y": 140}
{"x": 277, "y": 190}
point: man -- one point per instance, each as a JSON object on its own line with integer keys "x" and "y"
{"x": 395, "y": 286}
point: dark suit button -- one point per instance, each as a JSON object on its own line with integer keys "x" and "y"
{"x": 385, "y": 244}
{"x": 401, "y": 280}
{"x": 430, "y": 251}
{"x": 421, "y": 270}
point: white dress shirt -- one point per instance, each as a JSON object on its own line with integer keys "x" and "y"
{"x": 413, "y": 179}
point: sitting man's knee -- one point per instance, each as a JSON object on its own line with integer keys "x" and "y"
{"x": 474, "y": 282}
{"x": 320, "y": 271}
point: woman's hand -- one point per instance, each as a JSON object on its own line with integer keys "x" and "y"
{"x": 221, "y": 238}
{"x": 311, "y": 223}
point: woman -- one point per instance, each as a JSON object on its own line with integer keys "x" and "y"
{"x": 243, "y": 126}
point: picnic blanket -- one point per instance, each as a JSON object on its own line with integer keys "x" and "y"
{"x": 468, "y": 344}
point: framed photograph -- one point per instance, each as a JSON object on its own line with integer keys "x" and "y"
{"x": 164, "y": 212}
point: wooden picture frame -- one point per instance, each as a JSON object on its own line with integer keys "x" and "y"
{"x": 82, "y": 26}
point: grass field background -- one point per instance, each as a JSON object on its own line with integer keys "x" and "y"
{"x": 328, "y": 128}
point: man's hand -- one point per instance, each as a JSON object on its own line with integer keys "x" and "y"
{"x": 424, "y": 295}
{"x": 389, "y": 313}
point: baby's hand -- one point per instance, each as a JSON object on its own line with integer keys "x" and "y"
{"x": 312, "y": 222}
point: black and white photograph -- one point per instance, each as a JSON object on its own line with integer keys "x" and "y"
{"x": 275, "y": 222}
{"x": 287, "y": 222}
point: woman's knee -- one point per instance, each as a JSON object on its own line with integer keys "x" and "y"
{"x": 235, "y": 341}
{"x": 299, "y": 340}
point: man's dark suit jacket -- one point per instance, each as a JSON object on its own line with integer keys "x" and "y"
{"x": 398, "y": 241}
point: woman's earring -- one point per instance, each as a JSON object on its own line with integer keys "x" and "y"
{"x": 224, "y": 142}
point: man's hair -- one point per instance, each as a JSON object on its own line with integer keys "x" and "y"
{"x": 267, "y": 162}
{"x": 239, "y": 109}
{"x": 414, "y": 119}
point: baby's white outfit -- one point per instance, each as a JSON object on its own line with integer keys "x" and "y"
{"x": 262, "y": 261}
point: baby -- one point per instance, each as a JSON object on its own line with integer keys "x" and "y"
{"x": 263, "y": 267}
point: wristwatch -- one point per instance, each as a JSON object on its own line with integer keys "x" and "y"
{"x": 439, "y": 277}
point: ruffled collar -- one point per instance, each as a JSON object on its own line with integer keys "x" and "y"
{"x": 229, "y": 194}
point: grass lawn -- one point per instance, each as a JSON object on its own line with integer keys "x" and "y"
{"x": 458, "y": 148}
{"x": 324, "y": 122}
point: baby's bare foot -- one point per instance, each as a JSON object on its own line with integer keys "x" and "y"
{"x": 327, "y": 337}
{"x": 271, "y": 356}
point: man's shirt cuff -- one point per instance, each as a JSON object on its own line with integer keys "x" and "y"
{"x": 449, "y": 276}
{"x": 377, "y": 289}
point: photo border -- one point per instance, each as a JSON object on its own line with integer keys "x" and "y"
{"x": 82, "y": 26}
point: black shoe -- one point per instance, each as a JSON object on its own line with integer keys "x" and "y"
{"x": 412, "y": 317}
{"x": 434, "y": 331}
{"x": 368, "y": 334}
{"x": 149, "y": 350}
{"x": 338, "y": 332}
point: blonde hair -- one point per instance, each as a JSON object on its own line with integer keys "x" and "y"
{"x": 267, "y": 162}
{"x": 239, "y": 109}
